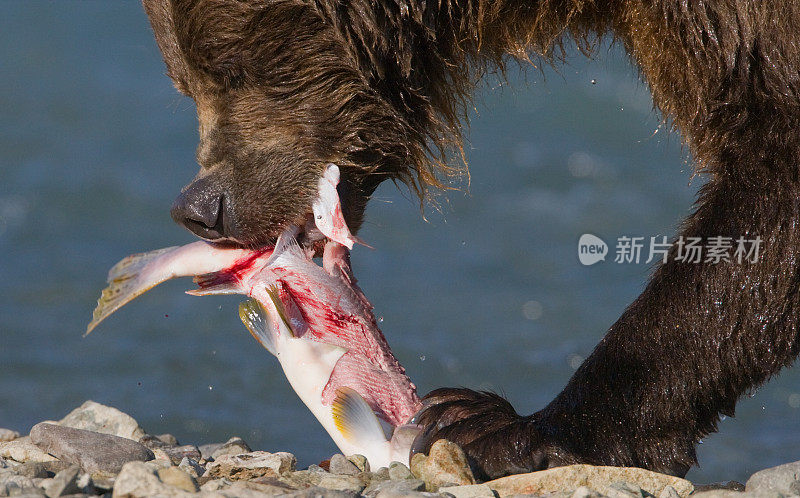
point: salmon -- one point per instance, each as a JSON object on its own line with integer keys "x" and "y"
{"x": 315, "y": 320}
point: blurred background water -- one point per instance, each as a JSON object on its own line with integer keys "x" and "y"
{"x": 488, "y": 293}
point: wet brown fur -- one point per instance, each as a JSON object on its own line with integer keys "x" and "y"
{"x": 379, "y": 87}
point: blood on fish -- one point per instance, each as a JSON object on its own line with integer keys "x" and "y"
{"x": 235, "y": 272}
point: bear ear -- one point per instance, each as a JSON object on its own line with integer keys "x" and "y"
{"x": 160, "y": 13}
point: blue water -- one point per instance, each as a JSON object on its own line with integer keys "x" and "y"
{"x": 488, "y": 293}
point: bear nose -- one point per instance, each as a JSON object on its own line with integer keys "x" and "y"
{"x": 201, "y": 209}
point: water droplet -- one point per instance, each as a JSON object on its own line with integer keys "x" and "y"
{"x": 763, "y": 407}
{"x": 210, "y": 388}
{"x": 380, "y": 319}
{"x": 594, "y": 81}
{"x": 219, "y": 307}
{"x": 463, "y": 242}
{"x": 422, "y": 357}
{"x": 532, "y": 310}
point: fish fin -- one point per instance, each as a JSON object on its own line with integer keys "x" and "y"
{"x": 215, "y": 283}
{"x": 402, "y": 439}
{"x": 354, "y": 418}
{"x": 124, "y": 284}
{"x": 272, "y": 292}
{"x": 284, "y": 241}
{"x": 327, "y": 209}
{"x": 255, "y": 318}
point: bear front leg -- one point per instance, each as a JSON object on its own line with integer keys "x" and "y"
{"x": 699, "y": 336}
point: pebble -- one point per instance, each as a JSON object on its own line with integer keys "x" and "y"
{"x": 251, "y": 465}
{"x": 586, "y": 492}
{"x": 394, "y": 487}
{"x": 33, "y": 470}
{"x": 93, "y": 451}
{"x": 469, "y": 491}
{"x": 445, "y": 465}
{"x": 191, "y": 467}
{"x": 233, "y": 446}
{"x": 169, "y": 439}
{"x": 624, "y": 490}
{"x": 398, "y": 471}
{"x": 206, "y": 450}
{"x": 12, "y": 484}
{"x": 64, "y": 483}
{"x": 8, "y": 435}
{"x": 140, "y": 480}
{"x": 342, "y": 483}
{"x": 668, "y": 492}
{"x": 95, "y": 417}
{"x": 360, "y": 461}
{"x": 775, "y": 480}
{"x": 23, "y": 450}
{"x": 317, "y": 492}
{"x": 598, "y": 478}
{"x": 176, "y": 477}
{"x": 339, "y": 464}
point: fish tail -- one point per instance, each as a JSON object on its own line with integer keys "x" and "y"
{"x": 125, "y": 284}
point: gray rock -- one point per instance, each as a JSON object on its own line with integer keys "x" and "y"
{"x": 233, "y": 446}
{"x": 12, "y": 484}
{"x": 410, "y": 494}
{"x": 399, "y": 471}
{"x": 668, "y": 492}
{"x": 382, "y": 474}
{"x": 339, "y": 464}
{"x": 251, "y": 465}
{"x": 342, "y": 483}
{"x": 23, "y": 450}
{"x": 302, "y": 478}
{"x": 169, "y": 439}
{"x": 173, "y": 476}
{"x": 93, "y": 451}
{"x": 469, "y": 491}
{"x": 206, "y": 450}
{"x": 445, "y": 465}
{"x": 623, "y": 489}
{"x": 316, "y": 468}
{"x": 95, "y": 417}
{"x": 140, "y": 480}
{"x": 64, "y": 483}
{"x": 317, "y": 492}
{"x": 586, "y": 492}
{"x": 32, "y": 470}
{"x": 359, "y": 461}
{"x": 153, "y": 442}
{"x": 774, "y": 480}
{"x": 394, "y": 487}
{"x": 191, "y": 467}
{"x": 271, "y": 487}
{"x": 8, "y": 435}
{"x": 595, "y": 477}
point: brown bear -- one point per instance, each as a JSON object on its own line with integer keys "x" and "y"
{"x": 379, "y": 87}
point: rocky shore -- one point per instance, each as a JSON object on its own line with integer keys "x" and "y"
{"x": 98, "y": 450}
